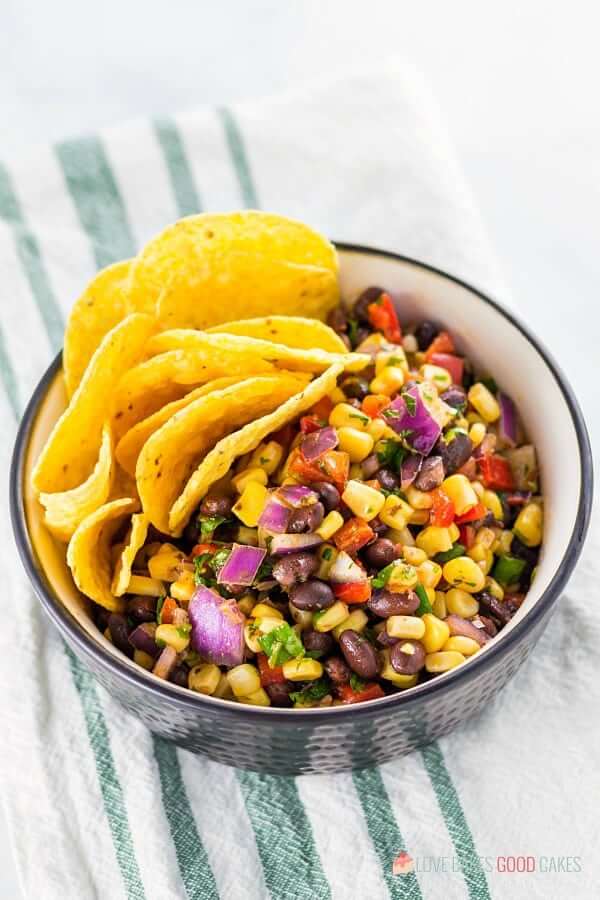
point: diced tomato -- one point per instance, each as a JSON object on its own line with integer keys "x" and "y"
{"x": 333, "y": 465}
{"x": 322, "y": 408}
{"x": 443, "y": 343}
{"x": 477, "y": 512}
{"x": 371, "y": 691}
{"x": 167, "y": 610}
{"x": 373, "y": 404}
{"x": 352, "y": 593}
{"x": 467, "y": 536}
{"x": 451, "y": 363}
{"x": 383, "y": 317}
{"x": 199, "y": 549}
{"x": 353, "y": 535}
{"x": 308, "y": 424}
{"x": 442, "y": 509}
{"x": 496, "y": 473}
{"x": 267, "y": 674}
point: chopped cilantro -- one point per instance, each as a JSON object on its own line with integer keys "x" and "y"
{"x": 360, "y": 417}
{"x": 312, "y": 693}
{"x": 383, "y": 576}
{"x": 184, "y": 630}
{"x": 356, "y": 683}
{"x": 326, "y": 554}
{"x": 209, "y": 524}
{"x": 353, "y": 331}
{"x": 265, "y": 570}
{"x": 394, "y": 361}
{"x": 264, "y": 460}
{"x": 281, "y": 644}
{"x": 391, "y": 413}
{"x": 424, "y": 604}
{"x": 390, "y": 453}
{"x": 206, "y": 566}
{"x": 446, "y": 555}
{"x": 410, "y": 403}
{"x": 159, "y": 607}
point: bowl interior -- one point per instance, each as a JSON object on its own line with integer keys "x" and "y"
{"x": 481, "y": 331}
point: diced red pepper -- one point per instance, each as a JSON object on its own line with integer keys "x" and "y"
{"x": 167, "y": 610}
{"x": 267, "y": 674}
{"x": 496, "y": 473}
{"x": 353, "y": 535}
{"x": 333, "y": 465}
{"x": 322, "y": 408}
{"x": 308, "y": 424}
{"x": 442, "y": 509}
{"x": 352, "y": 593}
{"x": 371, "y": 691}
{"x": 443, "y": 343}
{"x": 476, "y": 512}
{"x": 383, "y": 317}
{"x": 199, "y": 549}
{"x": 373, "y": 404}
{"x": 455, "y": 365}
{"x": 467, "y": 536}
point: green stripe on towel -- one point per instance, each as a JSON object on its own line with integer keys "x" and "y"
{"x": 180, "y": 174}
{"x": 239, "y": 157}
{"x": 9, "y": 378}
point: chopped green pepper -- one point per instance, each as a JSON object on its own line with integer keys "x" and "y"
{"x": 446, "y": 555}
{"x": 424, "y": 604}
{"x": 508, "y": 570}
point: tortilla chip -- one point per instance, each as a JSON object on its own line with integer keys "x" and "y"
{"x": 64, "y": 510}
{"x": 209, "y": 268}
{"x": 172, "y": 453}
{"x": 292, "y": 331}
{"x": 134, "y": 541}
{"x": 89, "y": 552}
{"x": 130, "y": 445}
{"x": 290, "y": 358}
{"x": 94, "y": 314}
{"x": 71, "y": 451}
{"x": 219, "y": 460}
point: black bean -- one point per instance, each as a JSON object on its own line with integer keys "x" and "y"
{"x": 407, "y": 657}
{"x": 387, "y": 603}
{"x": 338, "y": 320}
{"x": 488, "y": 625}
{"x": 361, "y": 306}
{"x": 101, "y": 616}
{"x": 329, "y": 494}
{"x": 522, "y": 551}
{"x": 279, "y": 693}
{"x": 355, "y": 387}
{"x": 380, "y": 553}
{"x": 119, "y": 632}
{"x": 214, "y": 505}
{"x": 385, "y": 639}
{"x": 312, "y": 595}
{"x": 359, "y": 654}
{"x": 454, "y": 396}
{"x": 307, "y": 518}
{"x": 142, "y": 609}
{"x": 497, "y": 609}
{"x": 370, "y": 466}
{"x": 431, "y": 474}
{"x": 455, "y": 453}
{"x": 378, "y": 526}
{"x": 179, "y": 675}
{"x": 353, "y": 401}
{"x": 337, "y": 670}
{"x": 294, "y": 568}
{"x": 388, "y": 480}
{"x": 425, "y": 332}
{"x": 319, "y": 642}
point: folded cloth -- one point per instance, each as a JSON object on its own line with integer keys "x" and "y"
{"x": 98, "y": 807}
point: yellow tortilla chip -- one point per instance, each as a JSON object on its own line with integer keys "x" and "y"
{"x": 171, "y": 454}
{"x": 292, "y": 331}
{"x": 133, "y": 542}
{"x": 71, "y": 451}
{"x": 130, "y": 445}
{"x": 89, "y": 552}
{"x": 219, "y": 460}
{"x": 209, "y": 268}
{"x": 291, "y": 358}
{"x": 94, "y": 314}
{"x": 64, "y": 510}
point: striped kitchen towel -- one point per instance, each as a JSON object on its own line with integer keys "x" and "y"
{"x": 97, "y": 806}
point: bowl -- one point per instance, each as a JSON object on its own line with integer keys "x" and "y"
{"x": 281, "y": 741}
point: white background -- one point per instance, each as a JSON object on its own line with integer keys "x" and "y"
{"x": 517, "y": 82}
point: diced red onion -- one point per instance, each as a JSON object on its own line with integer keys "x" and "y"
{"x": 142, "y": 638}
{"x": 242, "y": 565}
{"x": 318, "y": 442}
{"x": 486, "y": 447}
{"x": 275, "y": 516}
{"x": 409, "y": 470}
{"x": 297, "y": 495}
{"x": 507, "y": 426}
{"x": 424, "y": 430}
{"x": 165, "y": 663}
{"x": 464, "y": 628}
{"x": 346, "y": 571}
{"x": 217, "y": 627}
{"x": 292, "y": 543}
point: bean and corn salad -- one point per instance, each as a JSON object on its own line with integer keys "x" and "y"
{"x": 378, "y": 541}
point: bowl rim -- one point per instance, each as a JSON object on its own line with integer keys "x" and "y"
{"x": 183, "y": 698}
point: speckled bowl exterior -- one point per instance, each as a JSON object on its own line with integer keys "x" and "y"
{"x": 283, "y": 741}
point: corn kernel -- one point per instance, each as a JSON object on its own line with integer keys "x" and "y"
{"x": 332, "y": 522}
{"x": 482, "y": 556}
{"x": 357, "y": 444}
{"x": 344, "y": 415}
{"x": 465, "y": 645}
{"x": 357, "y": 621}
{"x": 409, "y": 342}
{"x": 439, "y": 605}
{"x": 251, "y": 636}
{"x": 443, "y": 661}
{"x": 244, "y": 679}
{"x": 267, "y": 456}
{"x": 364, "y": 501}
{"x": 418, "y": 499}
{"x": 166, "y": 565}
{"x": 474, "y": 419}
{"x": 465, "y": 574}
{"x": 183, "y": 589}
{"x": 495, "y": 589}
{"x": 263, "y": 609}
{"x": 503, "y": 543}
{"x": 246, "y": 603}
{"x": 439, "y": 376}
{"x": 529, "y": 525}
{"x": 204, "y": 679}
{"x": 402, "y": 536}
{"x": 408, "y": 627}
{"x": 302, "y": 669}
{"x": 395, "y": 512}
{"x": 223, "y": 689}
{"x": 268, "y": 623}
{"x": 256, "y": 698}
{"x": 389, "y": 673}
{"x": 337, "y": 396}
{"x": 436, "y": 633}
{"x": 419, "y": 517}
{"x": 434, "y": 539}
{"x": 386, "y": 358}
{"x": 302, "y": 617}
{"x": 246, "y": 476}
{"x": 478, "y": 488}
{"x": 403, "y": 577}
{"x": 484, "y": 402}
{"x": 477, "y": 432}
{"x": 388, "y": 381}
{"x": 330, "y": 618}
{"x": 485, "y": 537}
{"x": 143, "y": 659}
{"x": 429, "y": 573}
{"x": 460, "y": 603}
{"x": 460, "y": 491}
{"x": 251, "y": 502}
{"x": 175, "y": 636}
{"x": 461, "y": 422}
{"x": 454, "y": 532}
{"x": 491, "y": 501}
{"x": 376, "y": 428}
{"x": 326, "y": 556}
{"x": 414, "y": 555}
{"x": 147, "y": 587}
